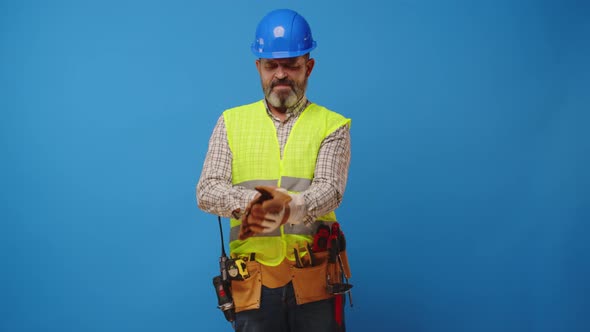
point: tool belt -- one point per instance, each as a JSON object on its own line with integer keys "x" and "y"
{"x": 320, "y": 271}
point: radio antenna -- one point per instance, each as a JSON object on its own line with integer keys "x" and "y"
{"x": 221, "y": 235}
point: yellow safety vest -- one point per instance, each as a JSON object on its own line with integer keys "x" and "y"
{"x": 253, "y": 141}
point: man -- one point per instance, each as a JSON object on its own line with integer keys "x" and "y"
{"x": 278, "y": 168}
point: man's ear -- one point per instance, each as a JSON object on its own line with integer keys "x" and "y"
{"x": 258, "y": 65}
{"x": 309, "y": 64}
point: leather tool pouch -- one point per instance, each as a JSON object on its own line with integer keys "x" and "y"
{"x": 246, "y": 293}
{"x": 309, "y": 282}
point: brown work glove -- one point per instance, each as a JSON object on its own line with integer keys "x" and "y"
{"x": 271, "y": 209}
{"x": 245, "y": 230}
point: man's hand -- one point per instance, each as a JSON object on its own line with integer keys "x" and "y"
{"x": 271, "y": 209}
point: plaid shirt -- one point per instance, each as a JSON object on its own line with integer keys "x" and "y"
{"x": 217, "y": 195}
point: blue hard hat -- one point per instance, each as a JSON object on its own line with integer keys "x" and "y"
{"x": 282, "y": 33}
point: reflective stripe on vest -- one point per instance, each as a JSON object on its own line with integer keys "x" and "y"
{"x": 287, "y": 182}
{"x": 254, "y": 183}
{"x": 257, "y": 160}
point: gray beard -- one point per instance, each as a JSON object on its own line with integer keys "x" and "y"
{"x": 278, "y": 102}
{"x": 291, "y": 100}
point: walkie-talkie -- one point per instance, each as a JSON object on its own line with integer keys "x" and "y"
{"x": 222, "y": 284}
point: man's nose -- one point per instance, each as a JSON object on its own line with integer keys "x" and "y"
{"x": 280, "y": 73}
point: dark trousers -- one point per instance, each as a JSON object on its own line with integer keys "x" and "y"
{"x": 280, "y": 313}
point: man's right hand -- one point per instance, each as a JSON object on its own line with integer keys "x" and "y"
{"x": 247, "y": 218}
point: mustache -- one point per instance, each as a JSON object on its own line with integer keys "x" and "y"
{"x": 281, "y": 82}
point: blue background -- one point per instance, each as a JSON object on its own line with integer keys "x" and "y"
{"x": 468, "y": 199}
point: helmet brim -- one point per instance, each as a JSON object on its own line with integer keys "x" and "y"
{"x": 281, "y": 54}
